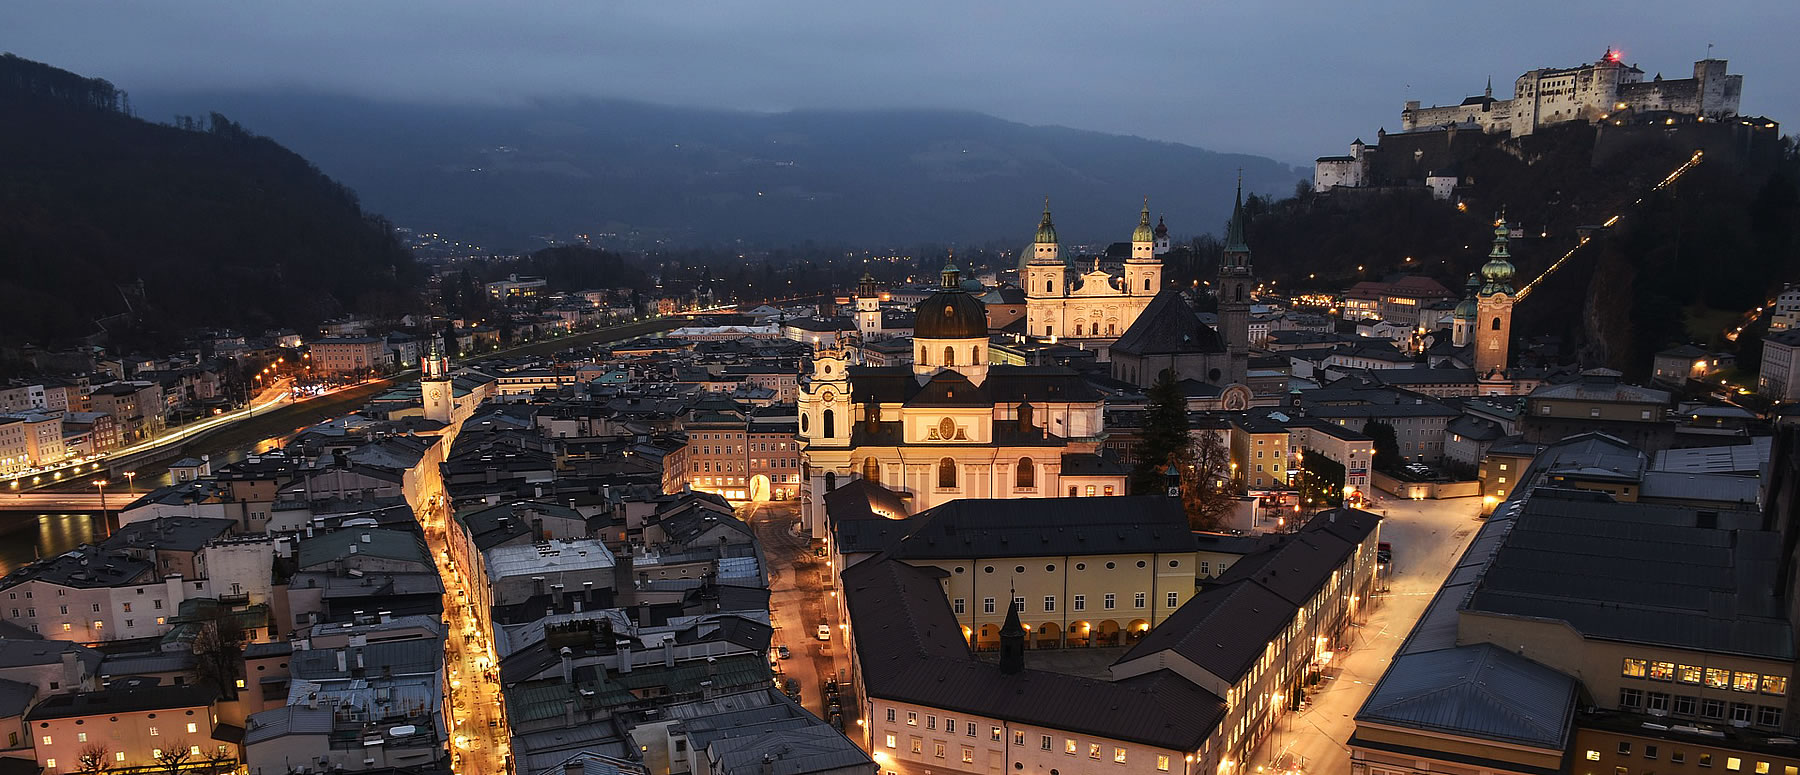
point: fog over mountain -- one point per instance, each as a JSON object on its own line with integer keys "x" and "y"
{"x": 505, "y": 176}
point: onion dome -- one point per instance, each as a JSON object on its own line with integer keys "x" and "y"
{"x": 1046, "y": 233}
{"x": 1497, "y": 273}
{"x": 1144, "y": 233}
{"x": 1162, "y": 230}
{"x": 1467, "y": 309}
{"x": 951, "y": 313}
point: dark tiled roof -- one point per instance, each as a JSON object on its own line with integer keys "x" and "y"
{"x": 912, "y": 651}
{"x": 1168, "y": 326}
{"x": 860, "y": 499}
{"x": 1025, "y": 527}
{"x": 140, "y": 698}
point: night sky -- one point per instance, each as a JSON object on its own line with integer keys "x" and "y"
{"x": 1283, "y": 78}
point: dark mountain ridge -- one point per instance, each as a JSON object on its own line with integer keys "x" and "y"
{"x": 502, "y": 176}
{"x": 109, "y": 222}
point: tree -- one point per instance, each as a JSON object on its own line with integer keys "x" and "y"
{"x": 1208, "y": 491}
{"x": 1321, "y": 479}
{"x": 94, "y": 758}
{"x": 171, "y": 759}
{"x": 1387, "y": 445}
{"x": 219, "y": 651}
{"x": 219, "y": 760}
{"x": 1165, "y": 435}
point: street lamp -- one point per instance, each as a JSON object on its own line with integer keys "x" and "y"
{"x": 131, "y": 482}
{"x": 101, "y": 483}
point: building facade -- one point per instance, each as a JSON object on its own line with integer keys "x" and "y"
{"x": 1065, "y": 303}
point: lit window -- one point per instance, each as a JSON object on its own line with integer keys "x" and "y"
{"x": 47, "y": 740}
{"x": 1634, "y": 668}
{"x": 192, "y": 727}
{"x": 890, "y": 741}
{"x": 1093, "y": 750}
{"x": 1593, "y": 756}
{"x": 1162, "y": 762}
{"x": 1119, "y": 755}
{"x": 1069, "y": 745}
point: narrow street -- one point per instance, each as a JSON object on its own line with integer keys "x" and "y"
{"x": 479, "y": 742}
{"x": 1427, "y": 537}
{"x": 799, "y": 601}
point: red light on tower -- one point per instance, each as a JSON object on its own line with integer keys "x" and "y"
{"x": 1613, "y": 56}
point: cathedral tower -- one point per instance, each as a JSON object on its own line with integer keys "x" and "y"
{"x": 1236, "y": 291}
{"x": 868, "y": 307}
{"x": 1161, "y": 245}
{"x": 1045, "y": 277}
{"x": 1494, "y": 305}
{"x": 1143, "y": 272}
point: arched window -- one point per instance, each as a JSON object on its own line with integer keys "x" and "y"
{"x": 1240, "y": 293}
{"x": 1027, "y": 478}
{"x": 1049, "y": 287}
{"x": 1078, "y": 329}
{"x": 831, "y": 482}
{"x": 1146, "y": 283}
{"x": 1071, "y": 491}
{"x": 803, "y": 423}
{"x": 872, "y": 469}
{"x": 946, "y": 474}
{"x": 949, "y": 355}
{"x": 924, "y": 357}
{"x": 975, "y": 355}
{"x": 830, "y": 423}
{"x": 1496, "y": 324}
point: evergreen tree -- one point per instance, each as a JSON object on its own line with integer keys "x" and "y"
{"x": 1387, "y": 445}
{"x": 1165, "y": 440}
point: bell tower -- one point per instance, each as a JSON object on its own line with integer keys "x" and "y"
{"x": 1045, "y": 278}
{"x": 434, "y": 385}
{"x": 824, "y": 401}
{"x": 1143, "y": 272}
{"x": 1237, "y": 288}
{"x": 868, "y": 307}
{"x": 1493, "y": 308}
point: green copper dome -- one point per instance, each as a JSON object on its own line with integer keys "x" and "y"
{"x": 1046, "y": 234}
{"x": 1465, "y": 310}
{"x": 1144, "y": 231}
{"x": 1497, "y": 273}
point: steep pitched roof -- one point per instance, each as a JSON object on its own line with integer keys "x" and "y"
{"x": 1168, "y": 326}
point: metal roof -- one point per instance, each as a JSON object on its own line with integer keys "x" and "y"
{"x": 1476, "y": 691}
{"x": 1656, "y": 575}
{"x": 555, "y": 556}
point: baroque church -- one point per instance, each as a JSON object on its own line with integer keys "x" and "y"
{"x": 952, "y": 424}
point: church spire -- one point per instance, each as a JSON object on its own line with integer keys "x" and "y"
{"x": 1012, "y": 641}
{"x": 1234, "y": 232}
{"x": 1144, "y": 232}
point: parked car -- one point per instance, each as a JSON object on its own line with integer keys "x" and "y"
{"x": 824, "y": 632}
{"x": 1384, "y": 556}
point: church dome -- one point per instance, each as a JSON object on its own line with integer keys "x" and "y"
{"x": 1144, "y": 233}
{"x": 1162, "y": 229}
{"x": 1465, "y": 310}
{"x": 951, "y": 313}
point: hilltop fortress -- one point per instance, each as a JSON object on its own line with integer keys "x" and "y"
{"x": 1609, "y": 95}
{"x": 1590, "y": 92}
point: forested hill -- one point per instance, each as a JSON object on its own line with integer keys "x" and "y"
{"x": 1681, "y": 264}
{"x": 142, "y": 229}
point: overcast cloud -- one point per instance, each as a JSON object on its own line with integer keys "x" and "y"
{"x": 1282, "y": 78}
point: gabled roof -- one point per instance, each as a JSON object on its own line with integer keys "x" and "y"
{"x": 1168, "y": 326}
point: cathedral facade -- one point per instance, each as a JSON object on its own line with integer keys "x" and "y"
{"x": 1096, "y": 305}
{"x": 952, "y": 424}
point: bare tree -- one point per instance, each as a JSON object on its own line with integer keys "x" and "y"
{"x": 219, "y": 760}
{"x": 173, "y": 758}
{"x": 94, "y": 758}
{"x": 1208, "y": 490}
{"x": 219, "y": 651}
